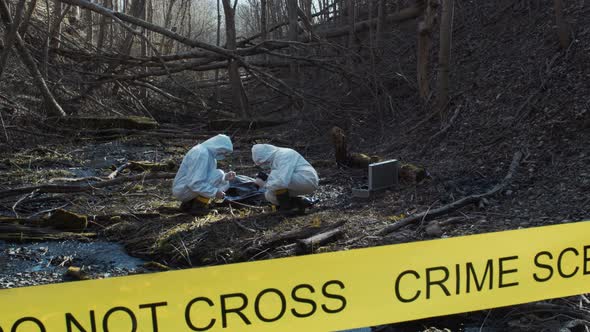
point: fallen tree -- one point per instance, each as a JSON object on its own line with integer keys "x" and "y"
{"x": 60, "y": 188}
{"x": 208, "y": 53}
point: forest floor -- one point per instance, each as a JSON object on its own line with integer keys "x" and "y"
{"x": 548, "y": 188}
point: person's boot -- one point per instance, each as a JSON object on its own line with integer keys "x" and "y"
{"x": 196, "y": 206}
{"x": 285, "y": 202}
{"x": 302, "y": 203}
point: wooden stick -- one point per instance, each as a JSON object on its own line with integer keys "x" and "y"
{"x": 20, "y": 200}
{"x": 118, "y": 170}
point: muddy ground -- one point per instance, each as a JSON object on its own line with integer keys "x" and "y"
{"x": 143, "y": 216}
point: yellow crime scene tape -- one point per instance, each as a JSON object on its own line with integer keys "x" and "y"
{"x": 323, "y": 292}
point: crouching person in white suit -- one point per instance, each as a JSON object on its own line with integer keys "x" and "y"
{"x": 198, "y": 181}
{"x": 290, "y": 176}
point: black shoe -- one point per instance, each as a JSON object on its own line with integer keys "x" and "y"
{"x": 194, "y": 207}
{"x": 304, "y": 202}
{"x": 285, "y": 202}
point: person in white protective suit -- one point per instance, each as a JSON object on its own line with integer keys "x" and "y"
{"x": 198, "y": 180}
{"x": 290, "y": 176}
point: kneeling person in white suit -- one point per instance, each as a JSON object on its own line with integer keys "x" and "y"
{"x": 290, "y": 176}
{"x": 198, "y": 180}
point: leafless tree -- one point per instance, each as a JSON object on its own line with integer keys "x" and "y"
{"x": 239, "y": 94}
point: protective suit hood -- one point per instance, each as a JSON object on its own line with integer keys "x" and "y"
{"x": 219, "y": 146}
{"x": 263, "y": 153}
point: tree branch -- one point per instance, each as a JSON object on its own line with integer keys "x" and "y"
{"x": 149, "y": 26}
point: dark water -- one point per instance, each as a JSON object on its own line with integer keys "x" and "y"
{"x": 47, "y": 262}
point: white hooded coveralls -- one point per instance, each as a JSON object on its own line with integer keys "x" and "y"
{"x": 288, "y": 170}
{"x": 198, "y": 173}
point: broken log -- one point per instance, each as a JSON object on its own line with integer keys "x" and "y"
{"x": 16, "y": 232}
{"x": 340, "y": 146}
{"x": 222, "y": 124}
{"x": 301, "y": 233}
{"x": 76, "y": 273}
{"x": 66, "y": 221}
{"x": 60, "y": 188}
{"x": 400, "y": 16}
{"x": 343, "y": 157}
{"x": 112, "y": 134}
{"x": 290, "y": 236}
{"x": 473, "y": 199}
{"x": 128, "y": 122}
{"x": 58, "y": 220}
{"x": 410, "y": 173}
{"x": 155, "y": 266}
{"x": 142, "y": 166}
{"x": 311, "y": 243}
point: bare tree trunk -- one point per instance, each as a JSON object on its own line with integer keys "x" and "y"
{"x": 53, "y": 36}
{"x": 240, "y": 99}
{"x": 10, "y": 35}
{"x": 277, "y": 17}
{"x": 76, "y": 14}
{"x": 444, "y": 55}
{"x": 105, "y": 23}
{"x": 309, "y": 10}
{"x": 217, "y": 43}
{"x": 150, "y": 19}
{"x": 376, "y": 85}
{"x": 381, "y": 23}
{"x": 52, "y": 107}
{"x": 45, "y": 55}
{"x": 142, "y": 15}
{"x": 424, "y": 40}
{"x": 422, "y": 61}
{"x": 190, "y": 19}
{"x": 564, "y": 39}
{"x": 137, "y": 10}
{"x": 164, "y": 43}
{"x": 57, "y": 16}
{"x": 114, "y": 28}
{"x": 89, "y": 27}
{"x": 351, "y": 22}
{"x": 143, "y": 50}
{"x": 263, "y": 24}
{"x": 292, "y": 11}
{"x": 183, "y": 11}
{"x": 25, "y": 24}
